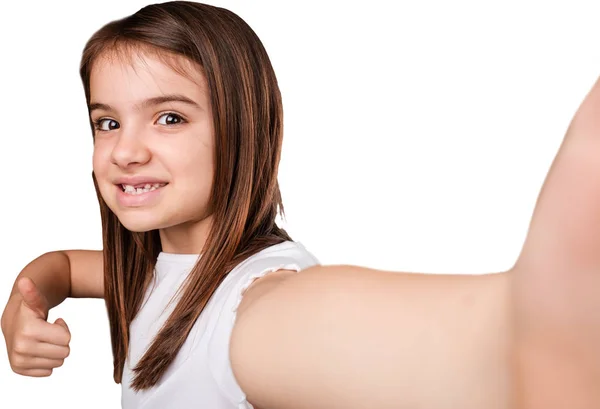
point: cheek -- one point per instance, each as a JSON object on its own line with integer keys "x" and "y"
{"x": 198, "y": 173}
{"x": 195, "y": 161}
{"x": 100, "y": 159}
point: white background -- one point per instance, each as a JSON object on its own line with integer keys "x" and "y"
{"x": 417, "y": 137}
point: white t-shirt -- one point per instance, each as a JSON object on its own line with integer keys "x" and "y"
{"x": 201, "y": 374}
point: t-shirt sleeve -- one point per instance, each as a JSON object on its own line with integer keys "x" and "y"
{"x": 230, "y": 298}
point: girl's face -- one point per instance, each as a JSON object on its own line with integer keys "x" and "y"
{"x": 154, "y": 145}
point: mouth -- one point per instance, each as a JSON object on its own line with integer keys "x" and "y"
{"x": 140, "y": 188}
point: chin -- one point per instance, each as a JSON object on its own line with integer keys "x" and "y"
{"x": 138, "y": 227}
{"x": 138, "y": 223}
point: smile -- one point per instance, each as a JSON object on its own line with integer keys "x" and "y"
{"x": 141, "y": 188}
{"x": 139, "y": 194}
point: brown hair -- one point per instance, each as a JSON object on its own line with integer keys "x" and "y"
{"x": 245, "y": 198}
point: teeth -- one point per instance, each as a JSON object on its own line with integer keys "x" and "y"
{"x": 130, "y": 189}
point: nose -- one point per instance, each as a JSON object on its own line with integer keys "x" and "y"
{"x": 130, "y": 150}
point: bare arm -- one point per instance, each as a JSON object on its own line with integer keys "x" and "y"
{"x": 36, "y": 347}
{"x": 343, "y": 336}
{"x": 66, "y": 273}
{"x": 349, "y": 337}
{"x": 62, "y": 274}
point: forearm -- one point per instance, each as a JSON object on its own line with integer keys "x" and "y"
{"x": 51, "y": 274}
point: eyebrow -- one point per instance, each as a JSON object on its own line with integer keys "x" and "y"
{"x": 149, "y": 102}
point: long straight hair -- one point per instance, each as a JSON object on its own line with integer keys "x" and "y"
{"x": 245, "y": 198}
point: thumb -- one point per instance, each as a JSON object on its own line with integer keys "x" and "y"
{"x": 62, "y": 323}
{"x": 32, "y": 297}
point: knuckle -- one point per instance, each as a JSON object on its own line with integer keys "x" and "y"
{"x": 39, "y": 373}
{"x": 18, "y": 370}
{"x": 20, "y": 346}
{"x": 18, "y": 361}
{"x": 27, "y": 331}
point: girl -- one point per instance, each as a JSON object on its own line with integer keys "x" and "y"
{"x": 205, "y": 302}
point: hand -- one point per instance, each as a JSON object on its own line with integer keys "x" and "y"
{"x": 556, "y": 280}
{"x": 35, "y": 347}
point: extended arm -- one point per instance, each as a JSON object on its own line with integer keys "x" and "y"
{"x": 526, "y": 339}
{"x": 343, "y": 336}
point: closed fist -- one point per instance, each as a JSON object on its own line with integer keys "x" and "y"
{"x": 35, "y": 346}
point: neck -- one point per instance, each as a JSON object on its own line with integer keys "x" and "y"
{"x": 186, "y": 238}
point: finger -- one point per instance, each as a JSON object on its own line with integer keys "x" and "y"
{"x": 46, "y": 350}
{"x": 28, "y": 363}
{"x": 32, "y": 298}
{"x": 62, "y": 323}
{"x": 54, "y": 334}
{"x": 36, "y": 373}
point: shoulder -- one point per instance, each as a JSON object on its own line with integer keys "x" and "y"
{"x": 247, "y": 282}
{"x": 269, "y": 265}
{"x": 267, "y": 268}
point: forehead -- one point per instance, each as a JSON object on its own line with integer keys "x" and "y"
{"x": 125, "y": 74}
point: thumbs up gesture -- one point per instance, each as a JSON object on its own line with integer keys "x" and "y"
{"x": 35, "y": 346}
{"x": 556, "y": 282}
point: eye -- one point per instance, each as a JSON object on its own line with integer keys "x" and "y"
{"x": 102, "y": 123}
{"x": 170, "y": 119}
